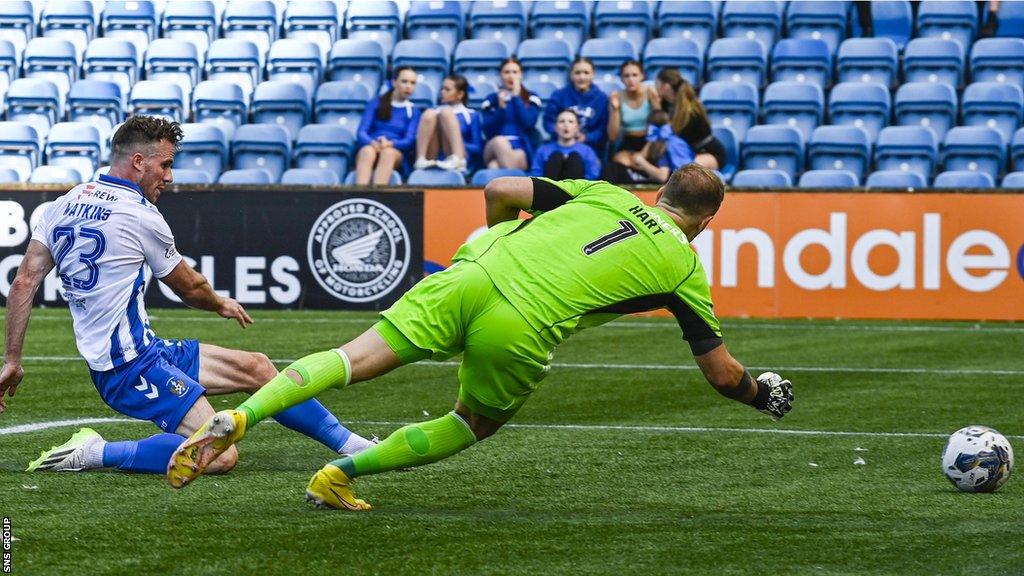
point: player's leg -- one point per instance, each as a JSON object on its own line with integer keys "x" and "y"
{"x": 197, "y": 416}
{"x": 224, "y": 371}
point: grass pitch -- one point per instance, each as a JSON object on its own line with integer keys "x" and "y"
{"x": 625, "y": 462}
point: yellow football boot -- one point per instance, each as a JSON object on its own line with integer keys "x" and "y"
{"x": 210, "y": 441}
{"x": 330, "y": 487}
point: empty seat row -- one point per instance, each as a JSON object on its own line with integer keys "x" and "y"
{"x": 885, "y": 179}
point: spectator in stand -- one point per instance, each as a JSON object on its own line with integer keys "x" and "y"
{"x": 628, "y": 112}
{"x": 451, "y": 130}
{"x": 509, "y": 117}
{"x": 663, "y": 152}
{"x": 566, "y": 158}
{"x": 387, "y": 131}
{"x": 588, "y": 102}
{"x": 689, "y": 118}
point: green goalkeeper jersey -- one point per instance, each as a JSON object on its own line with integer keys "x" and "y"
{"x": 592, "y": 253}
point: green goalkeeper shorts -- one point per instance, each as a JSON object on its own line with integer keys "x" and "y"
{"x": 460, "y": 310}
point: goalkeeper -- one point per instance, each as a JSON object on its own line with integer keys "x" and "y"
{"x": 591, "y": 252}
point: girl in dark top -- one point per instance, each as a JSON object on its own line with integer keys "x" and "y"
{"x": 509, "y": 118}
{"x": 588, "y": 101}
{"x": 689, "y": 119}
{"x": 566, "y": 157}
{"x": 387, "y": 132}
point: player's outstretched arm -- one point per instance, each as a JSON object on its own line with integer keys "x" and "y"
{"x": 195, "y": 291}
{"x": 506, "y": 197}
{"x": 36, "y": 264}
{"x": 769, "y": 393}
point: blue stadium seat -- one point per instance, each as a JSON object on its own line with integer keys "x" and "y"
{"x": 55, "y": 175}
{"x": 188, "y": 176}
{"x": 428, "y": 57}
{"x": 963, "y": 179}
{"x": 247, "y": 176}
{"x": 630, "y": 21}
{"x": 934, "y": 60}
{"x": 611, "y": 85}
{"x": 19, "y": 148}
{"x": 950, "y": 20}
{"x": 17, "y": 24}
{"x": 993, "y": 104}
{"x": 236, "y": 61}
{"x": 543, "y": 90}
{"x": 480, "y": 60}
{"x": 74, "y": 145}
{"x": 907, "y": 149}
{"x": 974, "y": 149}
{"x": 1014, "y": 180}
{"x": 310, "y": 177}
{"x": 737, "y": 60}
{"x": 1011, "y": 19}
{"x": 71, "y": 20}
{"x": 204, "y": 147}
{"x": 608, "y": 54}
{"x": 802, "y": 60}
{"x": 297, "y": 61}
{"x": 762, "y": 178}
{"x": 846, "y": 148}
{"x": 482, "y": 177}
{"x": 264, "y": 146}
{"x": 998, "y": 60}
{"x": 561, "y": 20}
{"x": 34, "y": 101}
{"x": 325, "y": 146}
{"x": 731, "y": 143}
{"x": 545, "y": 60}
{"x": 174, "y": 61}
{"x": 282, "y": 103}
{"x": 52, "y": 59}
{"x": 359, "y": 61}
{"x": 221, "y": 103}
{"x": 893, "y": 19}
{"x": 753, "y": 20}
{"x": 825, "y": 21}
{"x": 11, "y": 176}
{"x": 678, "y": 53}
{"x": 435, "y": 20}
{"x": 8, "y": 66}
{"x": 156, "y": 98}
{"x": 1017, "y": 150}
{"x": 867, "y": 60}
{"x": 773, "y": 147}
{"x": 194, "y": 21}
{"x": 689, "y": 20}
{"x": 797, "y": 104}
{"x": 731, "y": 104}
{"x": 829, "y": 179}
{"x": 502, "y": 21}
{"x": 317, "y": 21}
{"x": 865, "y": 105}
{"x": 896, "y": 179}
{"x": 479, "y": 91}
{"x": 396, "y": 178}
{"x": 436, "y": 177}
{"x": 133, "y": 20}
{"x": 424, "y": 96}
{"x": 99, "y": 103}
{"x": 376, "y": 21}
{"x": 253, "y": 20}
{"x": 113, "y": 60}
{"x": 926, "y": 104}
{"x": 341, "y": 103}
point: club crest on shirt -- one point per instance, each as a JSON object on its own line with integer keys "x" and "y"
{"x": 177, "y": 387}
{"x": 358, "y": 250}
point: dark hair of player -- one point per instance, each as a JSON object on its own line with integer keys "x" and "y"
{"x": 695, "y": 190}
{"x": 143, "y": 131}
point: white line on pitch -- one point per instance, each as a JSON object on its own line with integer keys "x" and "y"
{"x": 662, "y": 367}
{"x": 38, "y": 426}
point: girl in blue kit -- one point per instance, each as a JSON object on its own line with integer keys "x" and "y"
{"x": 388, "y": 130}
{"x": 509, "y": 118}
{"x": 451, "y": 130}
{"x": 567, "y": 157}
{"x": 663, "y": 153}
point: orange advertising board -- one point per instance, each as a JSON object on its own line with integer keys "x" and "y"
{"x": 832, "y": 255}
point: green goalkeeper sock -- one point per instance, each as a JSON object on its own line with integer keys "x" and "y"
{"x": 412, "y": 445}
{"x": 317, "y": 373}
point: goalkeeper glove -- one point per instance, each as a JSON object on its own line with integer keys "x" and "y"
{"x": 774, "y": 395}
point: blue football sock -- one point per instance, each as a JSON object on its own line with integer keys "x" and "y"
{"x": 313, "y": 420}
{"x": 149, "y": 456}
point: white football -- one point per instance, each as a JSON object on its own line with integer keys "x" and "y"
{"x": 977, "y": 459}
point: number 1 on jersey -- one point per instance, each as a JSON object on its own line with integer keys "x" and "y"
{"x": 625, "y": 230}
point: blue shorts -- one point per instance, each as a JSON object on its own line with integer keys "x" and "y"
{"x": 516, "y": 142}
{"x": 161, "y": 385}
